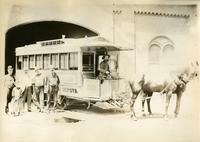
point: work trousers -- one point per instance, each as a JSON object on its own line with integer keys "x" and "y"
{"x": 39, "y": 95}
{"x": 52, "y": 95}
{"x": 27, "y": 96}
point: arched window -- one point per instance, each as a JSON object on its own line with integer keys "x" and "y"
{"x": 168, "y": 58}
{"x": 154, "y": 54}
{"x": 168, "y": 51}
{"x": 161, "y": 50}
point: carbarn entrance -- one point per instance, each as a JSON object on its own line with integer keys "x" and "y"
{"x": 30, "y": 33}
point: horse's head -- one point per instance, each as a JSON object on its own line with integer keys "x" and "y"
{"x": 194, "y": 73}
{"x": 190, "y": 72}
{"x": 184, "y": 78}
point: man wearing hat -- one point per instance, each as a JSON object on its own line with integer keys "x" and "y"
{"x": 9, "y": 81}
{"x": 27, "y": 93}
{"x": 38, "y": 89}
{"x": 52, "y": 82}
{"x": 104, "y": 70}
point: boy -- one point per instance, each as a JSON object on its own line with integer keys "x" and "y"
{"x": 16, "y": 96}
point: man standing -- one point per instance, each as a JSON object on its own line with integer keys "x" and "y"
{"x": 104, "y": 70}
{"x": 53, "y": 82}
{"x": 38, "y": 89}
{"x": 27, "y": 94}
{"x": 9, "y": 81}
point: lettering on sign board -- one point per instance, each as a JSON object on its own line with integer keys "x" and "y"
{"x": 71, "y": 90}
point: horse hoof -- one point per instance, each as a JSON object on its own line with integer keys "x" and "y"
{"x": 150, "y": 113}
{"x": 144, "y": 115}
{"x": 175, "y": 115}
{"x": 131, "y": 115}
{"x": 6, "y": 110}
{"x": 166, "y": 118}
{"x": 135, "y": 119}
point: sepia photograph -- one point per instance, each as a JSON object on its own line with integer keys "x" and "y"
{"x": 99, "y": 70}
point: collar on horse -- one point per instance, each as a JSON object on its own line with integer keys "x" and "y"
{"x": 184, "y": 81}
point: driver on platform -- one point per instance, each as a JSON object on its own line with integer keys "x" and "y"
{"x": 104, "y": 70}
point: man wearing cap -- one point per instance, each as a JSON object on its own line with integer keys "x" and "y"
{"x": 38, "y": 88}
{"x": 9, "y": 81}
{"x": 104, "y": 70}
{"x": 52, "y": 82}
{"x": 27, "y": 94}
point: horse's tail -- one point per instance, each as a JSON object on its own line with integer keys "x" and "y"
{"x": 130, "y": 85}
{"x": 142, "y": 81}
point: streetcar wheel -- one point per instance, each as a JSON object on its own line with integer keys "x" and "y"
{"x": 64, "y": 103}
{"x": 67, "y": 104}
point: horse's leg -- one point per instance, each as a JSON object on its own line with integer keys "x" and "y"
{"x": 135, "y": 93}
{"x": 143, "y": 102}
{"x": 168, "y": 97}
{"x": 178, "y": 102}
{"x": 148, "y": 102}
{"x": 133, "y": 99}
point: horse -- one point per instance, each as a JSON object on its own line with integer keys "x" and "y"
{"x": 174, "y": 83}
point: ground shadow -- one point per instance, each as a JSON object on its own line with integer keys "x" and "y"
{"x": 154, "y": 116}
{"x": 94, "y": 109}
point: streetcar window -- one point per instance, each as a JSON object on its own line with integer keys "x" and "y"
{"x": 54, "y": 42}
{"x": 31, "y": 62}
{"x": 19, "y": 62}
{"x": 88, "y": 62}
{"x": 73, "y": 61}
{"x": 25, "y": 61}
{"x": 38, "y": 61}
{"x": 54, "y": 60}
{"x": 58, "y": 42}
{"x": 64, "y": 61}
{"x": 46, "y": 61}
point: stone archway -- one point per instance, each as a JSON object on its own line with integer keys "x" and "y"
{"x": 30, "y": 33}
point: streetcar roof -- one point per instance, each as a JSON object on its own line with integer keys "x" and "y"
{"x": 99, "y": 43}
{"x": 64, "y": 45}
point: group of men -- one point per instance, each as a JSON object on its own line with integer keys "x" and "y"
{"x": 24, "y": 88}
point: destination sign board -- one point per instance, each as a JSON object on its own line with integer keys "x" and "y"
{"x": 70, "y": 90}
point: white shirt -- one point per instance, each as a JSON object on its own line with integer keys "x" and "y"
{"x": 38, "y": 80}
{"x": 9, "y": 81}
{"x": 26, "y": 80}
{"x": 16, "y": 93}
